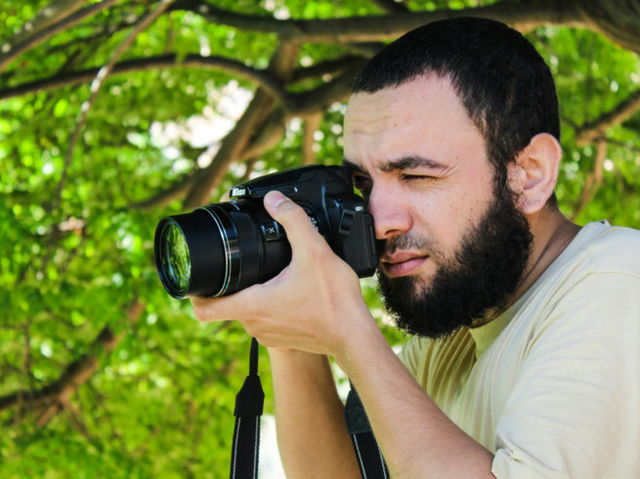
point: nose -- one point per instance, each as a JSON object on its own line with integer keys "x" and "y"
{"x": 390, "y": 212}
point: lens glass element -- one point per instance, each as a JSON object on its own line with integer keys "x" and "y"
{"x": 176, "y": 260}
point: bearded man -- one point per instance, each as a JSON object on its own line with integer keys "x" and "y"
{"x": 525, "y": 360}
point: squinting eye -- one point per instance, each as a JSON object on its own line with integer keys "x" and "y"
{"x": 417, "y": 177}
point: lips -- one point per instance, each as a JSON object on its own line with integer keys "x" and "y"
{"x": 402, "y": 263}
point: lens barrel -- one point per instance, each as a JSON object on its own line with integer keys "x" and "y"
{"x": 219, "y": 249}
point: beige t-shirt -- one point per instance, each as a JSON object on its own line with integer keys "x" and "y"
{"x": 552, "y": 386}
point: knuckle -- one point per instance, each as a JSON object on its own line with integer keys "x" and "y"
{"x": 317, "y": 250}
{"x": 293, "y": 212}
{"x": 196, "y": 306}
{"x": 199, "y": 316}
{"x": 204, "y": 309}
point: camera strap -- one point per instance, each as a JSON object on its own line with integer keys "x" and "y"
{"x": 370, "y": 459}
{"x": 246, "y": 434}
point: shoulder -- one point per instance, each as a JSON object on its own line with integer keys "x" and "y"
{"x": 598, "y": 248}
{"x": 591, "y": 291}
{"x": 609, "y": 249}
{"x": 602, "y": 270}
{"x": 592, "y": 296}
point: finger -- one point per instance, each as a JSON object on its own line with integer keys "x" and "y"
{"x": 301, "y": 233}
{"x": 235, "y": 307}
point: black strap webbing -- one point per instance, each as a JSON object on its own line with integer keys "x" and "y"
{"x": 370, "y": 459}
{"x": 246, "y": 434}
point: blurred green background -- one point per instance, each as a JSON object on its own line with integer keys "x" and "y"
{"x": 102, "y": 374}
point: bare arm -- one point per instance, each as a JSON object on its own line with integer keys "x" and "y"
{"x": 312, "y": 434}
{"x": 416, "y": 438}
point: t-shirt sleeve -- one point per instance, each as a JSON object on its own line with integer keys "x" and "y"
{"x": 575, "y": 410}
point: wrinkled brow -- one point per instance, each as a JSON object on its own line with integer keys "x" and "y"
{"x": 411, "y": 162}
{"x": 404, "y": 163}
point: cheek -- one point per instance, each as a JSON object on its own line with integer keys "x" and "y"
{"x": 445, "y": 218}
{"x": 438, "y": 218}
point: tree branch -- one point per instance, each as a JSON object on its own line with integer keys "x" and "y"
{"x": 263, "y": 78}
{"x": 621, "y": 112}
{"x": 391, "y": 6}
{"x": 593, "y": 180}
{"x": 327, "y": 67}
{"x": 267, "y": 136}
{"x": 144, "y": 22}
{"x": 236, "y": 143}
{"x": 239, "y": 144}
{"x": 311, "y": 125}
{"x": 230, "y": 151}
{"x": 521, "y": 16}
{"x": 249, "y": 166}
{"x": 618, "y": 20}
{"x": 53, "y": 12}
{"x": 10, "y": 51}
{"x": 76, "y": 373}
{"x": 365, "y": 49}
{"x": 75, "y": 419}
{"x": 626, "y": 145}
{"x": 323, "y": 96}
{"x": 177, "y": 190}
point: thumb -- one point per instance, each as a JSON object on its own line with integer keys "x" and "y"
{"x": 292, "y": 217}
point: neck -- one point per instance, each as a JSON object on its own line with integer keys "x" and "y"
{"x": 552, "y": 232}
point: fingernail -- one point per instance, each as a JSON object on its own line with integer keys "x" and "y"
{"x": 274, "y": 199}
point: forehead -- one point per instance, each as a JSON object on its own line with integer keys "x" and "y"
{"x": 421, "y": 117}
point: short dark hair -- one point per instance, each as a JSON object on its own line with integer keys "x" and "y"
{"x": 502, "y": 81}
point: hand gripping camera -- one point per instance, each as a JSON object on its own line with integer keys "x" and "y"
{"x": 224, "y": 247}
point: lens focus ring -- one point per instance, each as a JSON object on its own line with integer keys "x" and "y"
{"x": 229, "y": 235}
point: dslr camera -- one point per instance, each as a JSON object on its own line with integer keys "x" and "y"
{"x": 222, "y": 248}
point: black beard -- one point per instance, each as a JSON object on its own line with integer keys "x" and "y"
{"x": 486, "y": 271}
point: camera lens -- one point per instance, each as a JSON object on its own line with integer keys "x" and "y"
{"x": 219, "y": 249}
{"x": 176, "y": 258}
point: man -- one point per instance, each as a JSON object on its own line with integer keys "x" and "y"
{"x": 526, "y": 357}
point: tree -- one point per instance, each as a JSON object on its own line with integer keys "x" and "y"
{"x": 115, "y": 113}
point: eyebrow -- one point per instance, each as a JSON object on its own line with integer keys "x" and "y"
{"x": 404, "y": 163}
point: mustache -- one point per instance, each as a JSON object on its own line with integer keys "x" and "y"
{"x": 412, "y": 242}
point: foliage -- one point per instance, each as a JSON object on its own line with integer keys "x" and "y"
{"x": 77, "y": 282}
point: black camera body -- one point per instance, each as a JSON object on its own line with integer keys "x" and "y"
{"x": 224, "y": 247}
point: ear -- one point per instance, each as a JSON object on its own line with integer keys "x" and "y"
{"x": 534, "y": 173}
